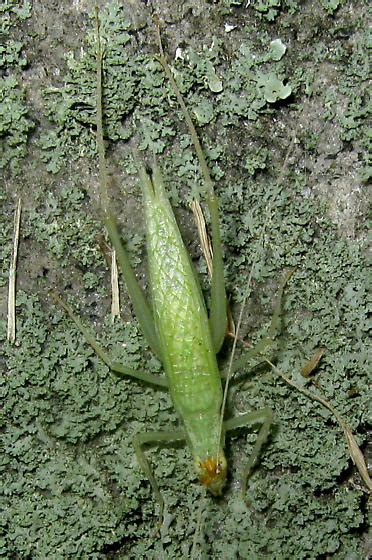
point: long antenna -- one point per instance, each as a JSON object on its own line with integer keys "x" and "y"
{"x": 218, "y": 293}
{"x": 103, "y": 180}
{"x": 236, "y": 337}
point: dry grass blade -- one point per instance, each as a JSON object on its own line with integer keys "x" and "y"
{"x": 11, "y": 331}
{"x": 115, "y": 301}
{"x": 208, "y": 254}
{"x": 312, "y": 364}
{"x": 203, "y": 235}
{"x": 110, "y": 257}
{"x": 354, "y": 450}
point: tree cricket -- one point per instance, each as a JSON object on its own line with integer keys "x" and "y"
{"x": 177, "y": 327}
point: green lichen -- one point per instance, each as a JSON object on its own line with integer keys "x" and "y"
{"x": 272, "y": 88}
{"x": 15, "y": 124}
{"x": 129, "y": 76}
{"x": 136, "y": 91}
{"x": 71, "y": 483}
{"x": 268, "y": 9}
{"x": 331, "y": 5}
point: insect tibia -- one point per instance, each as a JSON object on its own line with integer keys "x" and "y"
{"x": 212, "y": 473}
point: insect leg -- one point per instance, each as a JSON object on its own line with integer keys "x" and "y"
{"x": 151, "y": 437}
{"x": 266, "y": 341}
{"x": 264, "y": 417}
{"x": 276, "y": 319}
{"x": 119, "y": 369}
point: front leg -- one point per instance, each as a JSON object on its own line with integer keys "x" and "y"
{"x": 263, "y": 417}
{"x": 152, "y": 437}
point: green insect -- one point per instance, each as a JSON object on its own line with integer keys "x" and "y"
{"x": 177, "y": 326}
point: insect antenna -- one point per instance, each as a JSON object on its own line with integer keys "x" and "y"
{"x": 235, "y": 335}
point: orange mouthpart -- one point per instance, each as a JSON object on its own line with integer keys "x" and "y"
{"x": 210, "y": 469}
